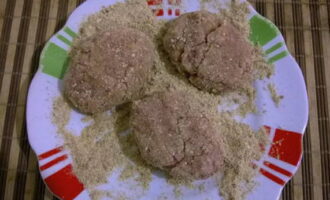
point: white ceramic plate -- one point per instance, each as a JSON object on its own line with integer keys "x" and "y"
{"x": 285, "y": 123}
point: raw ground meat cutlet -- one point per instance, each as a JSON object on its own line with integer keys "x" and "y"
{"x": 108, "y": 69}
{"x": 212, "y": 53}
{"x": 174, "y": 134}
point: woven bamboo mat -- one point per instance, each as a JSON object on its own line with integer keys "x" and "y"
{"x": 25, "y": 25}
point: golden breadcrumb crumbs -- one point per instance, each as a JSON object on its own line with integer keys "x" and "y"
{"x": 102, "y": 146}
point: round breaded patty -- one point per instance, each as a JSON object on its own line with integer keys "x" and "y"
{"x": 108, "y": 69}
{"x": 212, "y": 53}
{"x": 174, "y": 134}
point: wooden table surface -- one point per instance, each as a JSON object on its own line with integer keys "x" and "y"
{"x": 25, "y": 25}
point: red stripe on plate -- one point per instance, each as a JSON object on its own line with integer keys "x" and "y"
{"x": 278, "y": 169}
{"x": 158, "y": 12}
{"x": 177, "y": 12}
{"x": 169, "y": 12}
{"x": 272, "y": 177}
{"x": 287, "y": 146}
{"x": 154, "y": 2}
{"x": 50, "y": 153}
{"x": 53, "y": 162}
{"x": 64, "y": 184}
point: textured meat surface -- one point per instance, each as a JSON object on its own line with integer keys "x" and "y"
{"x": 108, "y": 69}
{"x": 212, "y": 53}
{"x": 176, "y": 135}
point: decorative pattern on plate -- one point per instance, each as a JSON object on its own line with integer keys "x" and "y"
{"x": 281, "y": 158}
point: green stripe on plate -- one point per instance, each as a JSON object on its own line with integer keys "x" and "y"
{"x": 278, "y": 57}
{"x": 70, "y": 32}
{"x": 55, "y": 61}
{"x": 63, "y": 39}
{"x": 262, "y": 31}
{"x": 274, "y": 48}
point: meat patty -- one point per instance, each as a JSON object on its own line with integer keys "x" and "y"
{"x": 108, "y": 69}
{"x": 212, "y": 53}
{"x": 174, "y": 134}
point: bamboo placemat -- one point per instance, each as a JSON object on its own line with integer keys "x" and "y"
{"x": 26, "y": 24}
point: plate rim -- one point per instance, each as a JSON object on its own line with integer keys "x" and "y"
{"x": 84, "y": 4}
